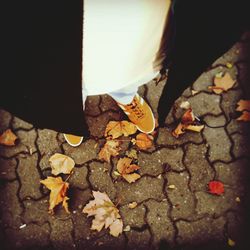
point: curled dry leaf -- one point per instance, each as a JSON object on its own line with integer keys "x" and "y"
{"x": 61, "y": 164}
{"x": 132, "y": 153}
{"x": 8, "y": 138}
{"x": 245, "y": 117}
{"x": 216, "y": 187}
{"x": 144, "y": 141}
{"x": 105, "y": 212}
{"x": 58, "y": 190}
{"x": 188, "y": 117}
{"x": 111, "y": 148}
{"x": 126, "y": 169}
{"x": 185, "y": 105}
{"x": 116, "y": 129}
{"x": 223, "y": 83}
{"x": 243, "y": 105}
{"x": 195, "y": 128}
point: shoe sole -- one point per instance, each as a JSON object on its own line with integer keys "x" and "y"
{"x": 71, "y": 144}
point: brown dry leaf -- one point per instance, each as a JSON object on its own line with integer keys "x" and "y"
{"x": 244, "y": 117}
{"x": 116, "y": 129}
{"x": 111, "y": 148}
{"x": 179, "y": 130}
{"x": 223, "y": 83}
{"x": 195, "y": 128}
{"x": 126, "y": 169}
{"x": 243, "y": 105}
{"x": 8, "y": 138}
{"x": 105, "y": 212}
{"x": 188, "y": 117}
{"x": 144, "y": 141}
{"x": 61, "y": 164}
{"x": 58, "y": 190}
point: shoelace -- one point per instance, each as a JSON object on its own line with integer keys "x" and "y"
{"x": 135, "y": 108}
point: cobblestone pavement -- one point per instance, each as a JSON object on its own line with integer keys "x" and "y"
{"x": 187, "y": 217}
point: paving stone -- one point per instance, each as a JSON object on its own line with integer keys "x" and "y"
{"x": 48, "y": 145}
{"x": 5, "y": 119}
{"x": 79, "y": 177}
{"x": 154, "y": 163}
{"x": 241, "y": 145}
{"x": 219, "y": 144}
{"x": 36, "y": 211}
{"x": 215, "y": 121}
{"x": 25, "y": 145}
{"x": 19, "y": 123}
{"x": 108, "y": 103}
{"x": 204, "y": 231}
{"x": 234, "y": 174}
{"x": 216, "y": 205}
{"x": 61, "y": 234}
{"x": 92, "y": 105}
{"x": 138, "y": 240}
{"x": 181, "y": 197}
{"x": 204, "y": 103}
{"x": 143, "y": 189}
{"x": 238, "y": 126}
{"x": 101, "y": 180}
{"x": 154, "y": 94}
{"x": 10, "y": 207}
{"x": 159, "y": 222}
{"x": 78, "y": 199}
{"x": 165, "y": 137}
{"x": 98, "y": 124}
{"x": 198, "y": 166}
{"x": 133, "y": 217}
{"x": 229, "y": 102}
{"x": 87, "y": 151}
{"x": 30, "y": 237}
{"x": 30, "y": 179}
{"x": 7, "y": 169}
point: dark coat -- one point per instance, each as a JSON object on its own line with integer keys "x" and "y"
{"x": 41, "y": 55}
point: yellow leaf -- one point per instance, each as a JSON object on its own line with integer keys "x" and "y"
{"x": 194, "y": 92}
{"x": 223, "y": 83}
{"x": 61, "y": 164}
{"x": 243, "y": 105}
{"x": 244, "y": 117}
{"x": 171, "y": 186}
{"x": 132, "y": 154}
{"x": 229, "y": 65}
{"x": 132, "y": 205}
{"x": 185, "y": 105}
{"x": 111, "y": 148}
{"x": 58, "y": 190}
{"x": 105, "y": 212}
{"x": 131, "y": 177}
{"x": 116, "y": 129}
{"x": 8, "y": 138}
{"x": 195, "y": 128}
{"x": 231, "y": 243}
{"x": 144, "y": 141}
{"x": 179, "y": 130}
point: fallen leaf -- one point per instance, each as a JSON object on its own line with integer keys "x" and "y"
{"x": 61, "y": 164}
{"x": 223, "y": 83}
{"x": 188, "y": 117}
{"x": 243, "y": 105}
{"x": 194, "y": 92}
{"x": 126, "y": 169}
{"x": 8, "y": 138}
{"x": 58, "y": 190}
{"x": 116, "y": 129}
{"x": 132, "y": 153}
{"x": 144, "y": 141}
{"x": 229, "y": 65}
{"x": 245, "y": 117}
{"x": 179, "y": 130}
{"x": 185, "y": 105}
{"x": 231, "y": 243}
{"x": 132, "y": 205}
{"x": 216, "y": 187}
{"x": 171, "y": 186}
{"x": 195, "y": 128}
{"x": 127, "y": 228}
{"x": 237, "y": 199}
{"x": 105, "y": 212}
{"x": 111, "y": 148}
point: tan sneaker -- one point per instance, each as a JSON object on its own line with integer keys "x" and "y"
{"x": 139, "y": 112}
{"x": 73, "y": 140}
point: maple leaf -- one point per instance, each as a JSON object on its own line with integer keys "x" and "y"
{"x": 105, "y": 212}
{"x": 243, "y": 105}
{"x": 61, "y": 164}
{"x": 223, "y": 83}
{"x": 143, "y": 141}
{"x": 244, "y": 117}
{"x": 116, "y": 129}
{"x": 126, "y": 169}
{"x": 216, "y": 187}
{"x": 111, "y": 148}
{"x": 8, "y": 138}
{"x": 58, "y": 190}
